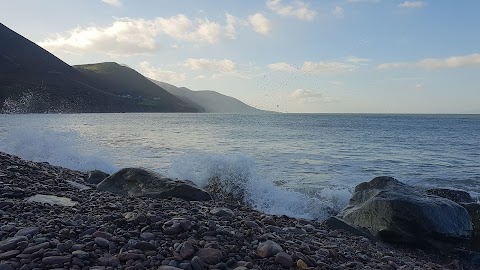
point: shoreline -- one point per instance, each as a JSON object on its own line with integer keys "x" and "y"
{"x": 108, "y": 231}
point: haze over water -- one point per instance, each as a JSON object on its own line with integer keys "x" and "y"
{"x": 292, "y": 163}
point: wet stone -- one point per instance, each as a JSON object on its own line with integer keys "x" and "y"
{"x": 28, "y": 231}
{"x": 11, "y": 243}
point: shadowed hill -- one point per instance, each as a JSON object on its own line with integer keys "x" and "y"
{"x": 32, "y": 80}
{"x": 211, "y": 101}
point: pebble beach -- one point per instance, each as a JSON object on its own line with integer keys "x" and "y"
{"x": 52, "y": 219}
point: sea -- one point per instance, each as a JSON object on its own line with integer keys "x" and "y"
{"x": 299, "y": 165}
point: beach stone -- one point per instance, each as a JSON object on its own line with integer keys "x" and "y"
{"x": 147, "y": 236}
{"x": 28, "y": 231}
{"x": 35, "y": 248}
{"x": 101, "y": 234}
{"x": 284, "y": 259}
{"x": 395, "y": 212}
{"x": 81, "y": 254}
{"x": 187, "y": 250}
{"x": 209, "y": 255}
{"x": 222, "y": 212}
{"x": 268, "y": 249}
{"x": 167, "y": 267}
{"x": 301, "y": 265}
{"x": 142, "y": 245}
{"x": 56, "y": 260}
{"x": 12, "y": 242}
{"x": 96, "y": 176}
{"x": 52, "y": 200}
{"x": 102, "y": 242}
{"x": 9, "y": 254}
{"x": 5, "y": 266}
{"x": 197, "y": 263}
{"x": 145, "y": 183}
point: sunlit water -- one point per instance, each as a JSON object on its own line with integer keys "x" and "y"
{"x": 293, "y": 164}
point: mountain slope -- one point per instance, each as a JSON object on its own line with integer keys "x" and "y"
{"x": 32, "y": 80}
{"x": 126, "y": 82}
{"x": 211, "y": 101}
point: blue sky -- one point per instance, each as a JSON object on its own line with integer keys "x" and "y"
{"x": 285, "y": 55}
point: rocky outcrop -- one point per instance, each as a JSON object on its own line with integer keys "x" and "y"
{"x": 95, "y": 177}
{"x": 396, "y": 212}
{"x": 458, "y": 196}
{"x": 139, "y": 182}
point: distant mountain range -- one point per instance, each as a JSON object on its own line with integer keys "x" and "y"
{"x": 210, "y": 101}
{"x": 32, "y": 80}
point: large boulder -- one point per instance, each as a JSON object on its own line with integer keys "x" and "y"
{"x": 395, "y": 212}
{"x": 474, "y": 210}
{"x": 140, "y": 182}
{"x": 458, "y": 196}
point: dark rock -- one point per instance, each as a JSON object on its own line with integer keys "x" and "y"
{"x": 5, "y": 266}
{"x": 187, "y": 250}
{"x": 222, "y": 212}
{"x": 144, "y": 183}
{"x": 9, "y": 254}
{"x": 457, "y": 196}
{"x": 167, "y": 267}
{"x": 338, "y": 223}
{"x": 268, "y": 249}
{"x": 142, "y": 245}
{"x": 95, "y": 177}
{"x": 35, "y": 248}
{"x": 396, "y": 212}
{"x": 28, "y": 231}
{"x": 209, "y": 255}
{"x": 197, "y": 263}
{"x": 11, "y": 243}
{"x": 284, "y": 259}
{"x": 56, "y": 260}
{"x": 102, "y": 242}
{"x": 473, "y": 210}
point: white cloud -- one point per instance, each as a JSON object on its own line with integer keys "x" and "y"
{"x": 357, "y": 60}
{"x": 338, "y": 11}
{"x": 230, "y": 30}
{"x": 321, "y": 67}
{"x": 412, "y": 4}
{"x": 393, "y": 65}
{"x": 126, "y": 36}
{"x": 303, "y": 96}
{"x": 161, "y": 75}
{"x": 437, "y": 63}
{"x": 281, "y": 67}
{"x": 200, "y": 77}
{"x": 363, "y": 1}
{"x": 450, "y": 62}
{"x": 115, "y": 3}
{"x": 225, "y": 65}
{"x": 326, "y": 67}
{"x": 180, "y": 27}
{"x": 297, "y": 9}
{"x": 260, "y": 23}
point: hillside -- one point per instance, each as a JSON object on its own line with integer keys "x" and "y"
{"x": 32, "y": 80}
{"x": 211, "y": 101}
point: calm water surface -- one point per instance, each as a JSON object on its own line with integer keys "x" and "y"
{"x": 313, "y": 157}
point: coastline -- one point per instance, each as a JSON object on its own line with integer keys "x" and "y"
{"x": 108, "y": 231}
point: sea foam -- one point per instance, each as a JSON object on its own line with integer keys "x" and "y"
{"x": 60, "y": 148}
{"x": 238, "y": 172}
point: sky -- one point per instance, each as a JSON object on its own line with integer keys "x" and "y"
{"x": 338, "y": 56}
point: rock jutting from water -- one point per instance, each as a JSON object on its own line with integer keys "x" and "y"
{"x": 396, "y": 212}
{"x": 110, "y": 231}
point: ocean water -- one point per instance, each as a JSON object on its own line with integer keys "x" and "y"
{"x": 301, "y": 165}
